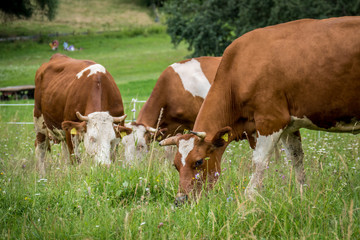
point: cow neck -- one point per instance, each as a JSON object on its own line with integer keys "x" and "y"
{"x": 150, "y": 112}
{"x": 215, "y": 113}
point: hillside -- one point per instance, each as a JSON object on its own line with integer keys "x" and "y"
{"x": 83, "y": 16}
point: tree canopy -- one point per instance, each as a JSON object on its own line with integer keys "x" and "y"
{"x": 209, "y": 26}
{"x": 26, "y": 8}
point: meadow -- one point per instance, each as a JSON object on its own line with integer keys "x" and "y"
{"x": 87, "y": 201}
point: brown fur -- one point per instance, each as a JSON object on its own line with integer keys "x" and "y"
{"x": 302, "y": 68}
{"x": 59, "y": 94}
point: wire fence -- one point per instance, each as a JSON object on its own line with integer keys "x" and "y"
{"x": 133, "y": 102}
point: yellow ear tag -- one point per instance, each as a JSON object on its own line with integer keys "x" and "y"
{"x": 123, "y": 134}
{"x": 186, "y": 131}
{"x": 225, "y": 137}
{"x": 159, "y": 138}
{"x": 73, "y": 131}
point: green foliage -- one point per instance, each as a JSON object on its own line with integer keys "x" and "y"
{"x": 209, "y": 26}
{"x": 26, "y": 8}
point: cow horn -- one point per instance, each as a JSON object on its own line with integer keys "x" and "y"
{"x": 81, "y": 117}
{"x": 150, "y": 129}
{"x": 169, "y": 141}
{"x": 119, "y": 119}
{"x": 199, "y": 134}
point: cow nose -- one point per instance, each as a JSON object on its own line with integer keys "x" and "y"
{"x": 180, "y": 199}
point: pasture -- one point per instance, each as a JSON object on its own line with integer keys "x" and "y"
{"x": 86, "y": 201}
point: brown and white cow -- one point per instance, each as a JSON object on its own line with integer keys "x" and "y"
{"x": 179, "y": 91}
{"x": 270, "y": 83}
{"x": 75, "y": 100}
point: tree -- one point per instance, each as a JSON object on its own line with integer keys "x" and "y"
{"x": 26, "y": 8}
{"x": 209, "y": 26}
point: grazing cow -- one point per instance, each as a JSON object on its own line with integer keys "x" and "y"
{"x": 270, "y": 83}
{"x": 75, "y": 100}
{"x": 179, "y": 91}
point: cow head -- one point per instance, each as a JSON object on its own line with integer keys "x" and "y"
{"x": 137, "y": 143}
{"x": 99, "y": 133}
{"x": 198, "y": 160}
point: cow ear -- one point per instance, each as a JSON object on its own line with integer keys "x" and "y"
{"x": 122, "y": 131}
{"x": 74, "y": 127}
{"x": 222, "y": 137}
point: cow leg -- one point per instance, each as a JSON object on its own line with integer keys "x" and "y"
{"x": 261, "y": 156}
{"x": 40, "y": 152}
{"x": 41, "y": 143}
{"x": 294, "y": 152}
{"x": 277, "y": 153}
{"x": 69, "y": 143}
{"x": 75, "y": 142}
{"x": 65, "y": 152}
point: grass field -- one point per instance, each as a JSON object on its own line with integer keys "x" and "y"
{"x": 86, "y": 201}
{"x": 125, "y": 202}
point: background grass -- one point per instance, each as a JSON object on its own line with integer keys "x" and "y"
{"x": 134, "y": 59}
{"x": 140, "y": 57}
{"x": 83, "y": 16}
{"x": 135, "y": 201}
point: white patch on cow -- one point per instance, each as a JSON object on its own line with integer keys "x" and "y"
{"x": 93, "y": 69}
{"x": 99, "y": 135}
{"x": 261, "y": 155}
{"x": 185, "y": 147}
{"x": 39, "y": 125}
{"x": 135, "y": 143}
{"x": 304, "y": 122}
{"x": 264, "y": 146}
{"x": 192, "y": 77}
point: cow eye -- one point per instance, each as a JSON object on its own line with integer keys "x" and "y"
{"x": 199, "y": 162}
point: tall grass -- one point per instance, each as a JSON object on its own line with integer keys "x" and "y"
{"x": 87, "y": 201}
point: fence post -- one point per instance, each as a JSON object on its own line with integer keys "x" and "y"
{"x": 134, "y": 100}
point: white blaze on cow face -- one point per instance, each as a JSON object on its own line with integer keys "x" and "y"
{"x": 192, "y": 77}
{"x": 185, "y": 147}
{"x": 93, "y": 69}
{"x": 135, "y": 143}
{"x": 99, "y": 136}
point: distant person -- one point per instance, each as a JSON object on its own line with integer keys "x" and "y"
{"x": 71, "y": 48}
{"x": 54, "y": 45}
{"x": 65, "y": 45}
